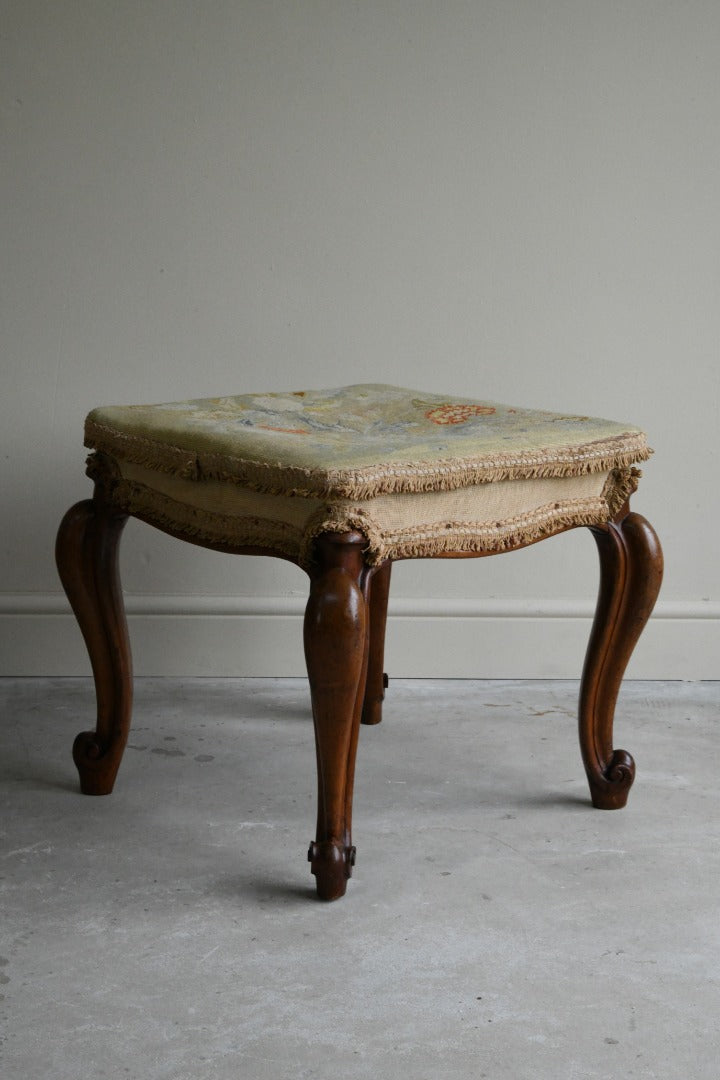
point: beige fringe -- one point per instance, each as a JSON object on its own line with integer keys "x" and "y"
{"x": 367, "y": 482}
{"x": 202, "y": 526}
{"x": 480, "y": 538}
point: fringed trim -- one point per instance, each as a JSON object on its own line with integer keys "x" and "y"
{"x": 196, "y": 524}
{"x": 420, "y": 541}
{"x": 377, "y": 549}
{"x": 619, "y": 486}
{"x": 482, "y": 537}
{"x": 478, "y": 537}
{"x": 274, "y": 478}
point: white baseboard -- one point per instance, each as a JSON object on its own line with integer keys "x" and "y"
{"x": 250, "y": 636}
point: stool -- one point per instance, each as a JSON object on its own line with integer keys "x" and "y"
{"x": 342, "y": 483}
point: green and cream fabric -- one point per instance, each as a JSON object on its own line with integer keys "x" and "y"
{"x": 417, "y": 473}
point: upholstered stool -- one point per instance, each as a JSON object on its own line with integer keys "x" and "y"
{"x": 342, "y": 483}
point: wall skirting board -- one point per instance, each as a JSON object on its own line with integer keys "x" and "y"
{"x": 258, "y": 636}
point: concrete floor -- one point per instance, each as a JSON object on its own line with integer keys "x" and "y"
{"x": 496, "y": 925}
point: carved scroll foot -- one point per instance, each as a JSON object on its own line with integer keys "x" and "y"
{"x": 332, "y": 866}
{"x": 631, "y": 566}
{"x": 336, "y": 644}
{"x": 377, "y": 680}
{"x": 87, "y": 559}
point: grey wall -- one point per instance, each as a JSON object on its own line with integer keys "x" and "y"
{"x": 511, "y": 200}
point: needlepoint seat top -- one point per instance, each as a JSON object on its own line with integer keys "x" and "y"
{"x": 359, "y": 441}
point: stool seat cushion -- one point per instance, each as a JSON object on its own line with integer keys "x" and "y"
{"x": 417, "y": 473}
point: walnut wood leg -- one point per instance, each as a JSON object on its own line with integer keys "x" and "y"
{"x": 336, "y": 651}
{"x": 377, "y": 680}
{"x": 631, "y": 566}
{"x": 87, "y": 560}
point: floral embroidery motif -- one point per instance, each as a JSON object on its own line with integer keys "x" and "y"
{"x": 457, "y": 413}
{"x": 414, "y": 441}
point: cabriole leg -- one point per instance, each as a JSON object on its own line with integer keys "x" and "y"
{"x": 377, "y": 680}
{"x": 631, "y": 566}
{"x": 87, "y": 560}
{"x": 336, "y": 642}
